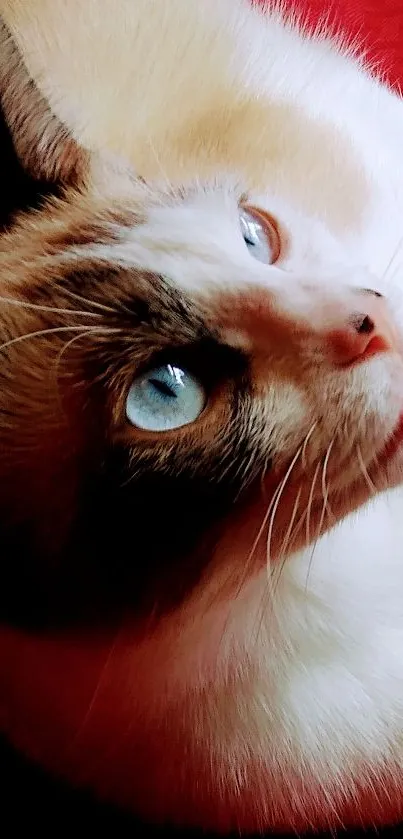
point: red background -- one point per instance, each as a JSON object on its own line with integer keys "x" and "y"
{"x": 377, "y": 23}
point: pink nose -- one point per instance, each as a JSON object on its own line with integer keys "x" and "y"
{"x": 367, "y": 332}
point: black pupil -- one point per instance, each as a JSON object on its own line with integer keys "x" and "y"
{"x": 163, "y": 388}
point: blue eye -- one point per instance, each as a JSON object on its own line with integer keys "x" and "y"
{"x": 260, "y": 236}
{"x": 165, "y": 398}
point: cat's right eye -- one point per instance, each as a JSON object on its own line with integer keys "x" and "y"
{"x": 261, "y": 235}
{"x": 165, "y": 398}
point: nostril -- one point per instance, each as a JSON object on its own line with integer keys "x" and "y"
{"x": 363, "y": 324}
{"x": 366, "y": 329}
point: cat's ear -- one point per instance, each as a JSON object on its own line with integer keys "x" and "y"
{"x": 44, "y": 146}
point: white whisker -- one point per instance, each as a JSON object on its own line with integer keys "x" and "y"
{"x": 91, "y": 331}
{"x": 23, "y": 304}
{"x": 286, "y": 539}
{"x": 91, "y": 303}
{"x": 309, "y": 507}
{"x": 325, "y": 508}
{"x": 325, "y": 488}
{"x": 257, "y": 540}
{"x": 276, "y": 504}
{"x": 307, "y": 438}
{"x": 268, "y": 595}
{"x": 41, "y": 333}
{"x": 371, "y": 486}
{"x": 282, "y": 558}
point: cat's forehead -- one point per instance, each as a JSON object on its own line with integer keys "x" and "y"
{"x": 215, "y": 110}
{"x": 270, "y": 146}
{"x": 303, "y": 171}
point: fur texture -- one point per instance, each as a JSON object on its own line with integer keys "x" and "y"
{"x": 204, "y": 625}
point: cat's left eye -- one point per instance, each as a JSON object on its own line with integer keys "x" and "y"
{"x": 260, "y": 235}
{"x": 165, "y": 398}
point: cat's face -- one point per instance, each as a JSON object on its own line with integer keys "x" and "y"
{"x": 172, "y": 352}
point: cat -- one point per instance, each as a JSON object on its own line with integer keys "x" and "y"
{"x": 202, "y": 415}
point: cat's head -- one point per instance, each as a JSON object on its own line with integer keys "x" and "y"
{"x": 199, "y": 373}
{"x": 171, "y": 348}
